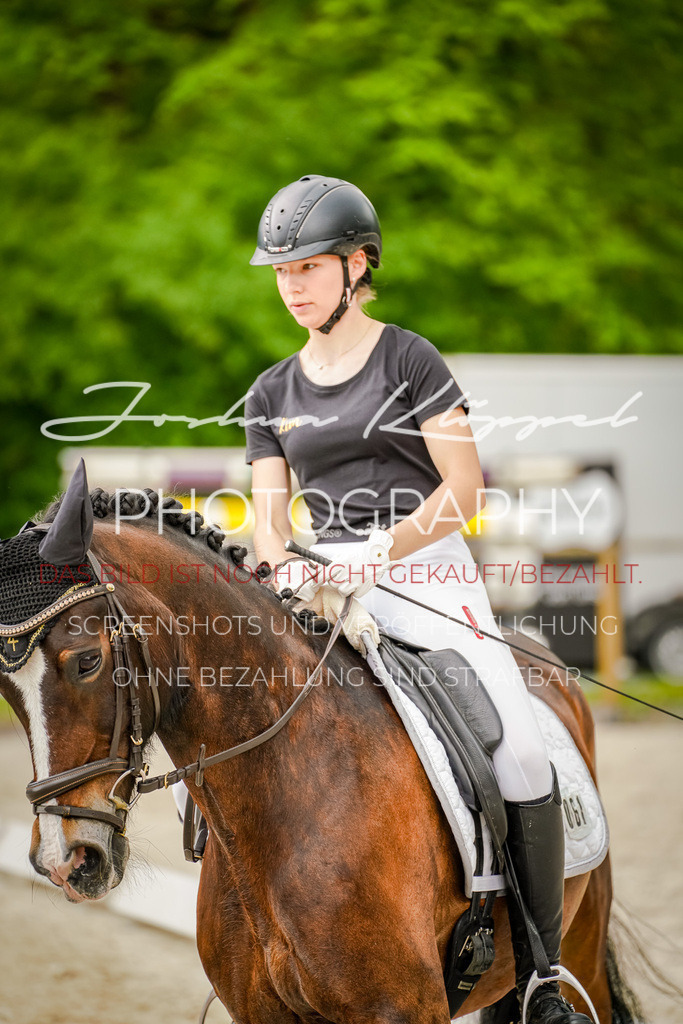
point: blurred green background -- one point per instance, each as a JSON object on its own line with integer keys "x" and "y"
{"x": 523, "y": 156}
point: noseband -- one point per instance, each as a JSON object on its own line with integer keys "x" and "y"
{"x": 134, "y": 767}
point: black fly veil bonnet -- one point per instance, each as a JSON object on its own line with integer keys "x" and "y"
{"x": 43, "y": 570}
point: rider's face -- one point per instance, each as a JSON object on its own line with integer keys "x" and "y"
{"x": 310, "y": 289}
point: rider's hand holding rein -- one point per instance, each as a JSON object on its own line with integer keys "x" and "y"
{"x": 361, "y": 573}
{"x": 306, "y": 583}
{"x": 300, "y": 576}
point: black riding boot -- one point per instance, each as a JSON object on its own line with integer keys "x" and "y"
{"x": 536, "y": 844}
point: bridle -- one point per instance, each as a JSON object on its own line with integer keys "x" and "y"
{"x": 134, "y": 766}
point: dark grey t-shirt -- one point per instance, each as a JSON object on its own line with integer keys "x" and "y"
{"x": 356, "y": 447}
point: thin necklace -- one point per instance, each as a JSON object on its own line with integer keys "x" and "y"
{"x": 324, "y": 366}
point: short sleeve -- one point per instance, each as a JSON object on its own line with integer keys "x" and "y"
{"x": 431, "y": 386}
{"x": 261, "y": 441}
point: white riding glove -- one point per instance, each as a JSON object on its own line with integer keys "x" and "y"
{"x": 326, "y": 601}
{"x": 357, "y": 621}
{"x": 300, "y": 576}
{"x": 306, "y": 580}
{"x": 365, "y": 569}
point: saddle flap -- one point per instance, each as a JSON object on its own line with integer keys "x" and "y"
{"x": 405, "y": 668}
{"x": 468, "y": 694}
{"x": 470, "y": 758}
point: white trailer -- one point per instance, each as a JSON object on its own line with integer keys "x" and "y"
{"x": 537, "y": 416}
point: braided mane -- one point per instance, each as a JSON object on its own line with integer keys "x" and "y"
{"x": 132, "y": 503}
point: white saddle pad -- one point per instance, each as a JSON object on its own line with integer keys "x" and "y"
{"x": 585, "y": 825}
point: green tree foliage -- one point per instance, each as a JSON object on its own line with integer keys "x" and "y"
{"x": 524, "y": 158}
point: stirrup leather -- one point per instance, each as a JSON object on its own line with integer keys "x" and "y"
{"x": 559, "y": 973}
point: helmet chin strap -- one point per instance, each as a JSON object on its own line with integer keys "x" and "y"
{"x": 347, "y": 295}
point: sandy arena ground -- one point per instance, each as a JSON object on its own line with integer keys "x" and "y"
{"x": 63, "y": 964}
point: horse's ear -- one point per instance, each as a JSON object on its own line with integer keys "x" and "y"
{"x": 68, "y": 539}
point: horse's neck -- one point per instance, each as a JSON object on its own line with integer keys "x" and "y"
{"x": 213, "y": 641}
{"x": 228, "y": 681}
{"x": 334, "y": 744}
{"x": 235, "y": 680}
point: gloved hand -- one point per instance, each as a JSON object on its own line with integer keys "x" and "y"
{"x": 356, "y": 622}
{"x": 362, "y": 572}
{"x": 300, "y": 576}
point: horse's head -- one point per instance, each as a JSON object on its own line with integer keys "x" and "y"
{"x": 59, "y": 674}
{"x": 63, "y": 698}
{"x": 75, "y": 667}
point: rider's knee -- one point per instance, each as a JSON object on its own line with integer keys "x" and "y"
{"x": 524, "y": 772}
{"x": 534, "y": 766}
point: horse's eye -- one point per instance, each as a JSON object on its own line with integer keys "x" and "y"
{"x": 88, "y": 663}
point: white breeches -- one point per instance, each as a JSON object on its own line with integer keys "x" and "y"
{"x": 521, "y": 761}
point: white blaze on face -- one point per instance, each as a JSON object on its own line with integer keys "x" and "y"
{"x": 28, "y": 682}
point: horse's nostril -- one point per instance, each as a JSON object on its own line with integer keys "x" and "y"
{"x": 78, "y": 857}
{"x": 87, "y": 861}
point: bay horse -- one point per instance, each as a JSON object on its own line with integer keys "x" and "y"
{"x": 330, "y": 882}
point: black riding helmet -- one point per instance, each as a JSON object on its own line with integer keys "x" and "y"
{"x": 317, "y": 215}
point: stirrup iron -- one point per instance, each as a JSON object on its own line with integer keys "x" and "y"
{"x": 559, "y": 973}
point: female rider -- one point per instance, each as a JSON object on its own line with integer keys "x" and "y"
{"x": 375, "y": 428}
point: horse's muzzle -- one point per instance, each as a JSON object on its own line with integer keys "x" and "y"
{"x": 87, "y": 865}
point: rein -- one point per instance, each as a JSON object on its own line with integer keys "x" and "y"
{"x": 134, "y": 766}
{"x": 197, "y": 767}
